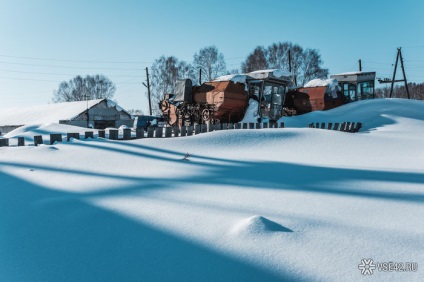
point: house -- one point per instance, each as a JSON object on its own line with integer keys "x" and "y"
{"x": 98, "y": 114}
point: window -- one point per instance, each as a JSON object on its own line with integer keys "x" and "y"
{"x": 365, "y": 90}
{"x": 274, "y": 93}
{"x": 349, "y": 91}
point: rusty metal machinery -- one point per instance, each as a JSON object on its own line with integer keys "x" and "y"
{"x": 227, "y": 98}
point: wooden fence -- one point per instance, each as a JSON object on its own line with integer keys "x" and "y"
{"x": 168, "y": 132}
{"x": 345, "y": 126}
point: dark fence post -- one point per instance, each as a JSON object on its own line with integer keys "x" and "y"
{"x": 336, "y": 126}
{"x": 113, "y": 134}
{"x": 244, "y": 125}
{"x": 21, "y": 141}
{"x": 139, "y": 133}
{"x": 358, "y": 126}
{"x": 265, "y": 125}
{"x": 251, "y": 125}
{"x": 317, "y": 125}
{"x": 159, "y": 132}
{"x": 230, "y": 125}
{"x": 281, "y": 125}
{"x": 323, "y": 125}
{"x": 72, "y": 135}
{"x": 352, "y": 127}
{"x": 126, "y": 134}
{"x": 203, "y": 128}
{"x": 237, "y": 125}
{"x": 342, "y": 126}
{"x": 196, "y": 129}
{"x": 330, "y": 125}
{"x": 89, "y": 134}
{"x": 101, "y": 134}
{"x": 150, "y": 132}
{"x": 311, "y": 125}
{"x": 38, "y": 140}
{"x": 55, "y": 137}
{"x": 183, "y": 131}
{"x": 176, "y": 131}
{"x": 189, "y": 130}
{"x": 211, "y": 127}
{"x": 347, "y": 128}
{"x": 257, "y": 125}
{"x": 168, "y": 132}
{"x": 4, "y": 142}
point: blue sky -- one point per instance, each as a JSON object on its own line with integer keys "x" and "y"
{"x": 45, "y": 42}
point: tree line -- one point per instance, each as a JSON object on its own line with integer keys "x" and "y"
{"x": 209, "y": 63}
{"x": 306, "y": 64}
{"x": 416, "y": 91}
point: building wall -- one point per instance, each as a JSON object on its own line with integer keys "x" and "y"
{"x": 102, "y": 116}
{"x": 80, "y": 123}
{"x": 7, "y": 128}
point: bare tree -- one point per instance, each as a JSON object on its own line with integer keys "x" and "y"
{"x": 164, "y": 72}
{"x": 311, "y": 66}
{"x": 278, "y": 55}
{"x": 211, "y": 61}
{"x": 416, "y": 91}
{"x": 255, "y": 61}
{"x": 84, "y": 88}
{"x": 305, "y": 64}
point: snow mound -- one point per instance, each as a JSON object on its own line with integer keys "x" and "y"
{"x": 236, "y": 78}
{"x": 251, "y": 114}
{"x": 372, "y": 113}
{"x": 321, "y": 82}
{"x": 257, "y": 225}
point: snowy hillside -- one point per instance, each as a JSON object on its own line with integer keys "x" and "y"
{"x": 247, "y": 205}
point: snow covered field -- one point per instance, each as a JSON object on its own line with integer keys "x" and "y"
{"x": 247, "y": 205}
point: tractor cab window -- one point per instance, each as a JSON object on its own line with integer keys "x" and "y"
{"x": 365, "y": 90}
{"x": 272, "y": 101}
{"x": 255, "y": 90}
{"x": 274, "y": 93}
{"x": 349, "y": 91}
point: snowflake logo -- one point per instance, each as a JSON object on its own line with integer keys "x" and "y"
{"x": 366, "y": 266}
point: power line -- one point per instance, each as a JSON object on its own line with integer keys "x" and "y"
{"x": 16, "y": 78}
{"x": 67, "y": 74}
{"x": 77, "y": 61}
{"x": 419, "y": 46}
{"x": 67, "y": 67}
{"x": 378, "y": 63}
{"x": 56, "y": 81}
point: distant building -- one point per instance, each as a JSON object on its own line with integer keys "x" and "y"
{"x": 356, "y": 85}
{"x": 98, "y": 114}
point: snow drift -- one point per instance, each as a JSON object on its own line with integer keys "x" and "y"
{"x": 262, "y": 205}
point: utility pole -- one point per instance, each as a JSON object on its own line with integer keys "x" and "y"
{"x": 392, "y": 82}
{"x": 403, "y": 72}
{"x": 290, "y": 68}
{"x": 200, "y": 76}
{"x": 360, "y": 65}
{"x": 289, "y": 61}
{"x": 148, "y": 90}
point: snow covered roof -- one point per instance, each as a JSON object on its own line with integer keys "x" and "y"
{"x": 354, "y": 76}
{"x": 354, "y": 73}
{"x": 271, "y": 73}
{"x": 331, "y": 83}
{"x": 241, "y": 78}
{"x": 259, "y": 74}
{"x": 49, "y": 113}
